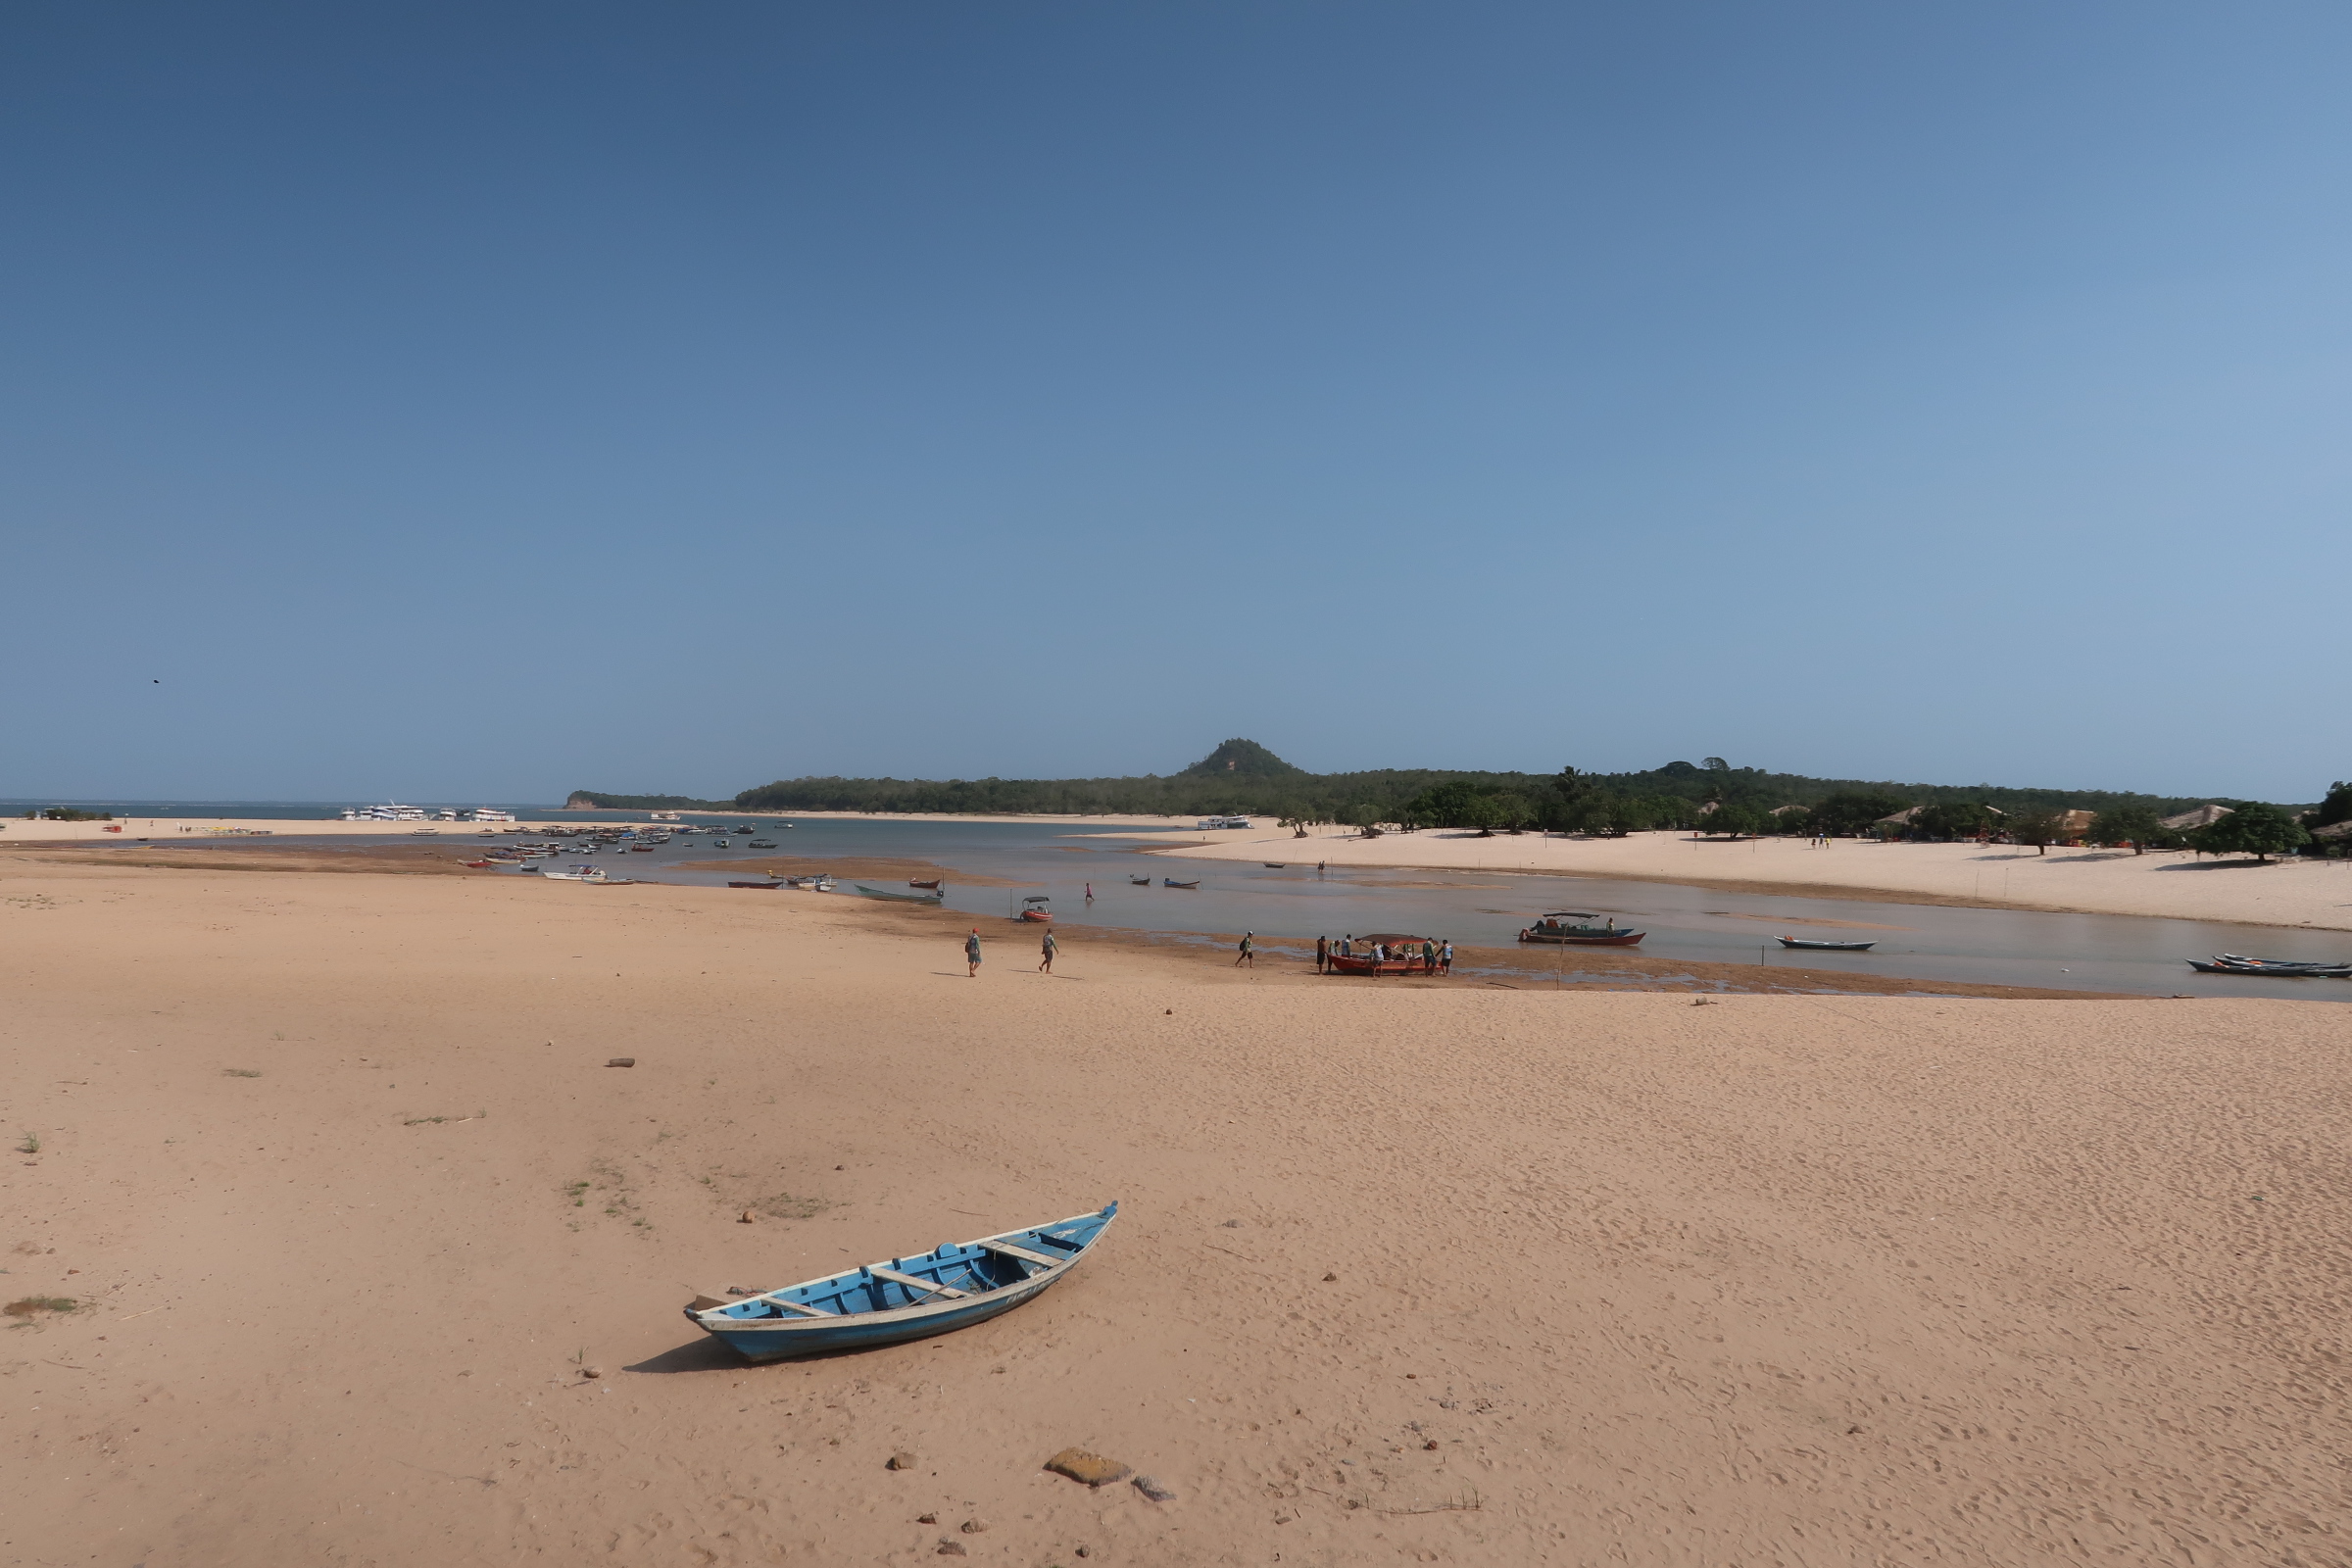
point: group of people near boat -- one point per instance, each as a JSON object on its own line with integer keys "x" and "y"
{"x": 1433, "y": 957}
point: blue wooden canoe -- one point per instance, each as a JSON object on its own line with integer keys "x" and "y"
{"x": 953, "y": 1286}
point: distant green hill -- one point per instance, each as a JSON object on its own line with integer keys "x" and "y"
{"x": 1237, "y": 759}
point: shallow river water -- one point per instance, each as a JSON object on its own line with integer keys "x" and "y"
{"x": 1998, "y": 947}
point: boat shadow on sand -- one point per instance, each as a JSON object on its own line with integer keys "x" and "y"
{"x": 712, "y": 1356}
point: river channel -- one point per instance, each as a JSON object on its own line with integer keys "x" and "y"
{"x": 1917, "y": 941}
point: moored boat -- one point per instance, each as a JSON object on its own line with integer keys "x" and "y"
{"x": 1810, "y": 945}
{"x": 953, "y": 1286}
{"x": 1171, "y": 882}
{"x": 1554, "y": 927}
{"x": 1034, "y": 908}
{"x": 2223, "y": 963}
{"x": 1140, "y": 881}
{"x": 754, "y": 884}
{"x": 933, "y": 884}
{"x": 895, "y": 898}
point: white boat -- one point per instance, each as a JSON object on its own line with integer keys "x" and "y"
{"x": 490, "y": 813}
{"x": 579, "y": 873}
{"x": 424, "y": 832}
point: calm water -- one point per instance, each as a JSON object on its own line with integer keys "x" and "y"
{"x": 2001, "y": 947}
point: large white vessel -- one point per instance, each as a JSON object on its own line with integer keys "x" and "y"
{"x": 390, "y": 811}
{"x": 490, "y": 813}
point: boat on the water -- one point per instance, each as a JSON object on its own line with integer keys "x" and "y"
{"x": 2281, "y": 964}
{"x": 1382, "y": 953}
{"x": 1557, "y": 927}
{"x": 1810, "y": 945}
{"x": 1171, "y": 882}
{"x": 953, "y": 1286}
{"x": 2223, "y": 963}
{"x": 777, "y": 884}
{"x": 897, "y": 898}
{"x": 1033, "y": 907}
{"x": 811, "y": 884}
{"x": 1140, "y": 881}
{"x": 763, "y": 844}
{"x": 933, "y": 884}
{"x": 579, "y": 873}
{"x": 1272, "y": 866}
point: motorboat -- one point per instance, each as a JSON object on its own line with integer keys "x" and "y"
{"x": 1810, "y": 945}
{"x": 1033, "y": 908}
{"x": 1556, "y": 927}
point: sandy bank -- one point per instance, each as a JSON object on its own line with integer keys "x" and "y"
{"x": 349, "y": 1199}
{"x": 2179, "y": 884}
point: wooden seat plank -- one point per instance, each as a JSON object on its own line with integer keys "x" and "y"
{"x": 1023, "y": 1253}
{"x": 912, "y": 1282}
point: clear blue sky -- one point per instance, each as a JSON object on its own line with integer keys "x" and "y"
{"x": 453, "y": 401}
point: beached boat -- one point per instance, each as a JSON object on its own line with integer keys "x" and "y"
{"x": 754, "y": 884}
{"x": 476, "y": 865}
{"x": 579, "y": 873}
{"x": 1808, "y": 945}
{"x": 1033, "y": 907}
{"x": 1382, "y": 953}
{"x": 953, "y": 1286}
{"x": 895, "y": 898}
{"x": 811, "y": 884}
{"x": 1171, "y": 882}
{"x": 933, "y": 884}
{"x": 1554, "y": 927}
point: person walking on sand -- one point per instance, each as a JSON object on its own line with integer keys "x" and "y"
{"x": 1322, "y": 954}
{"x": 1045, "y": 964}
{"x": 971, "y": 954}
{"x": 1248, "y": 950}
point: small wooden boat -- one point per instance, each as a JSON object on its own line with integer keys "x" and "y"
{"x": 476, "y": 865}
{"x": 2224, "y": 965}
{"x": 579, "y": 873}
{"x": 898, "y": 898}
{"x": 2278, "y": 963}
{"x": 762, "y": 844}
{"x": 1555, "y": 928}
{"x": 1171, "y": 882}
{"x": 1808, "y": 945}
{"x": 1034, "y": 908}
{"x": 777, "y": 884}
{"x": 1140, "y": 881}
{"x": 1403, "y": 955}
{"x": 1272, "y": 866}
{"x": 933, "y": 884}
{"x": 953, "y": 1286}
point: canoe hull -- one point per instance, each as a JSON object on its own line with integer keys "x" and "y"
{"x": 873, "y": 1306}
{"x": 1800, "y": 945}
{"x": 784, "y": 1341}
{"x": 1617, "y": 938}
{"x": 1358, "y": 963}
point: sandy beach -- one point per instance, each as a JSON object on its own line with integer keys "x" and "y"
{"x": 348, "y": 1204}
{"x": 2176, "y": 884}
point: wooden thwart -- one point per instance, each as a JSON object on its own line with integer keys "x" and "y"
{"x": 912, "y": 1282}
{"x": 1023, "y": 1253}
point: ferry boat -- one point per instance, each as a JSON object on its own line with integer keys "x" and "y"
{"x": 490, "y": 813}
{"x": 1554, "y": 927}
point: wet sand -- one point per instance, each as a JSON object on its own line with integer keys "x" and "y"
{"x": 349, "y": 1201}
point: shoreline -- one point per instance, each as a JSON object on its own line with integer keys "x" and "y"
{"x": 2297, "y": 894}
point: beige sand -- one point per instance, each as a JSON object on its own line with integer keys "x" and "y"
{"x": 1619, "y": 1279}
{"x": 2180, "y": 885}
